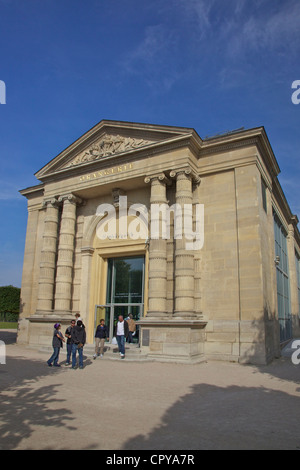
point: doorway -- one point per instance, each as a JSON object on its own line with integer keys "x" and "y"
{"x": 125, "y": 292}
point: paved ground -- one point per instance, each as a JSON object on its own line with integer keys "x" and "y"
{"x": 132, "y": 406}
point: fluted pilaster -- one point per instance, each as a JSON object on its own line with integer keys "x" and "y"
{"x": 157, "y": 293}
{"x": 65, "y": 258}
{"x": 48, "y": 257}
{"x": 184, "y": 259}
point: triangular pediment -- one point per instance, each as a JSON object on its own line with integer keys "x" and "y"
{"x": 107, "y": 140}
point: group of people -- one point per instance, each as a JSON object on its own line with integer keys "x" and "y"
{"x": 75, "y": 336}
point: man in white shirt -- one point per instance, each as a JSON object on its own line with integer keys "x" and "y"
{"x": 121, "y": 333}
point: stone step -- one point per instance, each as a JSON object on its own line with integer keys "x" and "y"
{"x": 111, "y": 352}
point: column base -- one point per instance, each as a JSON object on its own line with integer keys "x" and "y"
{"x": 37, "y": 330}
{"x": 173, "y": 340}
{"x": 50, "y": 316}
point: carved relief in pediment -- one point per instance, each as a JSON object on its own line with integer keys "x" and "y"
{"x": 108, "y": 145}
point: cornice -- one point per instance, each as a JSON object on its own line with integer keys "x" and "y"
{"x": 176, "y": 143}
{"x": 33, "y": 191}
{"x": 245, "y": 138}
{"x": 158, "y": 133}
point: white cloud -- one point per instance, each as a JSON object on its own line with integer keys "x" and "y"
{"x": 152, "y": 58}
{"x": 239, "y": 26}
{"x": 267, "y": 29}
{"x": 225, "y": 38}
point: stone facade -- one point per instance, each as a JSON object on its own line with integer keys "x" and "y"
{"x": 215, "y": 302}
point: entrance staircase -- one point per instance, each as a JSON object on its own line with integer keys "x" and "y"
{"x": 111, "y": 352}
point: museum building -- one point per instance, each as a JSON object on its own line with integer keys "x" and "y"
{"x": 220, "y": 279}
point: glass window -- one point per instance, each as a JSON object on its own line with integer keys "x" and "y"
{"x": 125, "y": 280}
{"x": 282, "y": 275}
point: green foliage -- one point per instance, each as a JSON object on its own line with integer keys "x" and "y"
{"x": 10, "y": 301}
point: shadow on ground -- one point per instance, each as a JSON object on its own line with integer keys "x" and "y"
{"x": 9, "y": 337}
{"x": 24, "y": 405}
{"x": 234, "y": 417}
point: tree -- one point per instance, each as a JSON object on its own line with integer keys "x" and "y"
{"x": 10, "y": 301}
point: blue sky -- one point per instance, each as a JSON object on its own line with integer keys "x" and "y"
{"x": 212, "y": 65}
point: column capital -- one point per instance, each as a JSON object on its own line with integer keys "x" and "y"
{"x": 188, "y": 172}
{"x": 70, "y": 198}
{"x": 53, "y": 201}
{"x": 157, "y": 176}
{"x": 294, "y": 220}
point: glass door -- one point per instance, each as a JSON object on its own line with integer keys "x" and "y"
{"x": 125, "y": 292}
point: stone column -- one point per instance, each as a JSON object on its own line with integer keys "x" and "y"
{"x": 85, "y": 288}
{"x": 164, "y": 335}
{"x": 197, "y": 258}
{"x": 65, "y": 259}
{"x": 48, "y": 258}
{"x": 157, "y": 293}
{"x": 184, "y": 259}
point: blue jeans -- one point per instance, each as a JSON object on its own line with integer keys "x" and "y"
{"x": 80, "y": 354}
{"x": 69, "y": 352}
{"x": 121, "y": 343}
{"x": 130, "y": 337}
{"x": 54, "y": 357}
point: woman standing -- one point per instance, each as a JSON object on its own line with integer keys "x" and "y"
{"x": 57, "y": 343}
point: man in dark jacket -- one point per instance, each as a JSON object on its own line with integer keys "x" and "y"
{"x": 78, "y": 339}
{"x": 69, "y": 341}
{"x": 100, "y": 336}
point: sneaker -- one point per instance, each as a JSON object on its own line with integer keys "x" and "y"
{"x": 101, "y": 355}
{"x": 94, "y": 356}
{"x": 49, "y": 364}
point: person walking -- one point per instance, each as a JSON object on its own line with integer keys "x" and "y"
{"x": 78, "y": 339}
{"x": 121, "y": 333}
{"x": 57, "y": 343}
{"x": 78, "y": 318}
{"x": 69, "y": 342}
{"x": 100, "y": 336}
{"x": 131, "y": 328}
